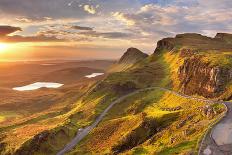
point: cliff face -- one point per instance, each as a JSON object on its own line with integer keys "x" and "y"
{"x": 166, "y": 43}
{"x": 197, "y": 77}
{"x": 224, "y": 36}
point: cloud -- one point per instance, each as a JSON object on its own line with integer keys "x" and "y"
{"x": 23, "y": 19}
{"x": 149, "y": 14}
{"x": 131, "y": 22}
{"x": 81, "y": 28}
{"x": 6, "y": 30}
{"x": 158, "y": 20}
{"x": 90, "y": 9}
{"x": 108, "y": 35}
{"x": 41, "y": 38}
{"x": 81, "y": 33}
{"x": 5, "y": 36}
{"x": 124, "y": 18}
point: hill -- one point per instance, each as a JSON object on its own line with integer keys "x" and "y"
{"x": 199, "y": 64}
{"x": 70, "y": 75}
{"x": 154, "y": 121}
{"x": 130, "y": 57}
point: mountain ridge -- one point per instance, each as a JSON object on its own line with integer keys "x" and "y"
{"x": 150, "y": 122}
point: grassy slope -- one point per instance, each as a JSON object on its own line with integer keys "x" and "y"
{"x": 143, "y": 118}
{"x": 87, "y": 108}
{"x": 126, "y": 120}
{"x": 130, "y": 118}
{"x": 14, "y": 133}
{"x": 24, "y": 115}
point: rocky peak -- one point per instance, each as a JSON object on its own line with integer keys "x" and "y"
{"x": 167, "y": 43}
{"x": 132, "y": 55}
{"x": 196, "y": 41}
{"x": 224, "y": 37}
{"x": 186, "y": 39}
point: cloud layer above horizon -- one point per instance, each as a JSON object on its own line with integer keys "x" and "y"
{"x": 107, "y": 28}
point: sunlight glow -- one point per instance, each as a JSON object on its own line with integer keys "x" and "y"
{"x": 3, "y": 47}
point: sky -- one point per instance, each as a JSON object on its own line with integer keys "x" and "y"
{"x": 102, "y": 29}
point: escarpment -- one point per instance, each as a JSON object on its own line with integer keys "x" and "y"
{"x": 206, "y": 68}
{"x": 224, "y": 37}
{"x": 166, "y": 43}
{"x": 197, "y": 77}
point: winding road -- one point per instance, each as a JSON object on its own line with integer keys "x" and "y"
{"x": 220, "y": 140}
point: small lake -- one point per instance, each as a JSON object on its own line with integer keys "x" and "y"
{"x": 38, "y": 85}
{"x": 94, "y": 75}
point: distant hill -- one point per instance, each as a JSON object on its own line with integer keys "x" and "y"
{"x": 154, "y": 121}
{"x": 130, "y": 57}
{"x": 70, "y": 75}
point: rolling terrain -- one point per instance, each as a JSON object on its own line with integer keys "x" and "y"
{"x": 163, "y": 103}
{"x": 27, "y": 113}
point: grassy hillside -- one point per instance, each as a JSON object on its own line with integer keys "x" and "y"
{"x": 24, "y": 116}
{"x": 157, "y": 122}
{"x": 151, "y": 122}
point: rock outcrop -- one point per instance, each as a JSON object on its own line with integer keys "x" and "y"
{"x": 197, "y": 77}
{"x": 224, "y": 37}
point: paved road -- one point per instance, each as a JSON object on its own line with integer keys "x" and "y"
{"x": 219, "y": 140}
{"x": 84, "y": 132}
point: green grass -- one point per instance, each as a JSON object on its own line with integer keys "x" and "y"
{"x": 222, "y": 59}
{"x": 140, "y": 151}
{"x": 180, "y": 148}
{"x": 4, "y": 115}
{"x": 133, "y": 118}
{"x": 2, "y": 118}
{"x": 31, "y": 121}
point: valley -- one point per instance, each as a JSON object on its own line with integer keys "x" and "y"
{"x": 164, "y": 103}
{"x": 37, "y": 110}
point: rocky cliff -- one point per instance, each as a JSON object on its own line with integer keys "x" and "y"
{"x": 225, "y": 37}
{"x": 206, "y": 68}
{"x": 197, "y": 77}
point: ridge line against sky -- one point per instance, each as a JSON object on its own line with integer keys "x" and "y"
{"x": 80, "y": 29}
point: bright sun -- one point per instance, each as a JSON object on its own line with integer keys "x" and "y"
{"x": 3, "y": 47}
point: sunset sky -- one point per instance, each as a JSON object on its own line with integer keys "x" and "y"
{"x": 102, "y": 29}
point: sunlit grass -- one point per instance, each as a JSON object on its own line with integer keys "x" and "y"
{"x": 2, "y": 118}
